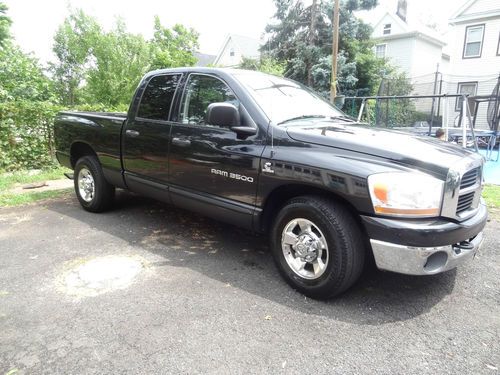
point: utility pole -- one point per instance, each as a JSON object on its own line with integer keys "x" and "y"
{"x": 434, "y": 99}
{"x": 335, "y": 51}
{"x": 311, "y": 41}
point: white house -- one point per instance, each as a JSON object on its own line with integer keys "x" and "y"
{"x": 415, "y": 49}
{"x": 234, "y": 48}
{"x": 474, "y": 53}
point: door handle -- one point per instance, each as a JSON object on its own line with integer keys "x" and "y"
{"x": 182, "y": 142}
{"x": 132, "y": 133}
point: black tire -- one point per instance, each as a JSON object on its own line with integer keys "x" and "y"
{"x": 344, "y": 239}
{"x": 104, "y": 192}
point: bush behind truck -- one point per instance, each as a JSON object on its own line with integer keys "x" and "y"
{"x": 267, "y": 154}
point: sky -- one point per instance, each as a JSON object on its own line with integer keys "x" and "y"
{"x": 35, "y": 21}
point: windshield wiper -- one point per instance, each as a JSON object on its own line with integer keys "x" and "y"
{"x": 343, "y": 117}
{"x": 327, "y": 118}
{"x": 301, "y": 118}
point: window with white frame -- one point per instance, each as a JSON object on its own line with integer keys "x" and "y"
{"x": 387, "y": 29}
{"x": 380, "y": 50}
{"x": 473, "y": 43}
{"x": 468, "y": 88}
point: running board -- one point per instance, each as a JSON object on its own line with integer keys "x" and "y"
{"x": 69, "y": 175}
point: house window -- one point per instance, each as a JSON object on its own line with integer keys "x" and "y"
{"x": 469, "y": 88}
{"x": 380, "y": 50}
{"x": 387, "y": 29}
{"x": 231, "y": 52}
{"x": 473, "y": 43}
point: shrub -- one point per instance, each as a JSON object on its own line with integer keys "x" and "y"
{"x": 26, "y": 135}
{"x": 27, "y": 132}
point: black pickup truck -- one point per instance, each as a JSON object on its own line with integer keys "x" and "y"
{"x": 267, "y": 154}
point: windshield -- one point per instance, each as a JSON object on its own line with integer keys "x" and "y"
{"x": 284, "y": 100}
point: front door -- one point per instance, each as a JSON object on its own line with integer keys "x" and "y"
{"x": 210, "y": 168}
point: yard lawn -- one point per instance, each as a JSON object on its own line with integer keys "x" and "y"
{"x": 491, "y": 194}
{"x": 9, "y": 181}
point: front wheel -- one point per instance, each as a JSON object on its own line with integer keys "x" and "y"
{"x": 94, "y": 193}
{"x": 317, "y": 246}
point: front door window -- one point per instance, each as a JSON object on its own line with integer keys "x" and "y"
{"x": 202, "y": 90}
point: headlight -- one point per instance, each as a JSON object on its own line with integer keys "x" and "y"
{"x": 405, "y": 194}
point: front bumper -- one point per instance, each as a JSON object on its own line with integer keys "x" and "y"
{"x": 424, "y": 247}
{"x": 423, "y": 260}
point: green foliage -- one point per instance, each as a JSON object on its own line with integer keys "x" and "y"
{"x": 264, "y": 64}
{"x": 396, "y": 112}
{"x": 95, "y": 66}
{"x": 5, "y": 23}
{"x": 21, "y": 77}
{"x": 26, "y": 134}
{"x": 120, "y": 59}
{"x": 301, "y": 38}
{"x": 73, "y": 43}
{"x": 95, "y": 71}
{"x": 173, "y": 47}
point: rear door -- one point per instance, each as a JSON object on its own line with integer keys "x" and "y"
{"x": 147, "y": 134}
{"x": 211, "y": 170}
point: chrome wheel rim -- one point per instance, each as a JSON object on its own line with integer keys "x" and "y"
{"x": 86, "y": 185}
{"x": 305, "y": 248}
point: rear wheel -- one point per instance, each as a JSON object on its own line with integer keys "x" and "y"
{"x": 317, "y": 246}
{"x": 92, "y": 190}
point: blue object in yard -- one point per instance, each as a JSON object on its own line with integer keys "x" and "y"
{"x": 491, "y": 170}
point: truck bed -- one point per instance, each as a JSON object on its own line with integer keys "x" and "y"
{"x": 101, "y": 131}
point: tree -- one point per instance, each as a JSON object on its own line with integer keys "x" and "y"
{"x": 5, "y": 23}
{"x": 173, "y": 47}
{"x": 104, "y": 68}
{"x": 22, "y": 77}
{"x": 73, "y": 44}
{"x": 265, "y": 64}
{"x": 396, "y": 112}
{"x": 119, "y": 60}
{"x": 302, "y": 36}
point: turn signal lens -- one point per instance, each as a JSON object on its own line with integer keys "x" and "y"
{"x": 380, "y": 191}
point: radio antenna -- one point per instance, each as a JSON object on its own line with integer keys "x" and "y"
{"x": 272, "y": 139}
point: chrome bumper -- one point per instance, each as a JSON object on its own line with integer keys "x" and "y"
{"x": 423, "y": 260}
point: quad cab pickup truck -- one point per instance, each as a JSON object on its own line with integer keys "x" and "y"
{"x": 267, "y": 154}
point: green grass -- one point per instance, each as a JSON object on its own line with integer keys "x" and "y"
{"x": 8, "y": 180}
{"x": 8, "y": 200}
{"x": 491, "y": 195}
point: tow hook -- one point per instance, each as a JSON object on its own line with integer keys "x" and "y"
{"x": 464, "y": 245}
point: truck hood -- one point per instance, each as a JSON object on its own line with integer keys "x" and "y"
{"x": 419, "y": 152}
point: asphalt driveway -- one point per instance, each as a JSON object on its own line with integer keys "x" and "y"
{"x": 190, "y": 295}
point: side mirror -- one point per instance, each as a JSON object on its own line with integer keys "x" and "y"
{"x": 222, "y": 114}
{"x": 244, "y": 131}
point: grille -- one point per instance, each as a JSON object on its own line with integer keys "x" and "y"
{"x": 463, "y": 189}
{"x": 465, "y": 202}
{"x": 469, "y": 178}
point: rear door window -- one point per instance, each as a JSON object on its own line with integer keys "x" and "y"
{"x": 158, "y": 96}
